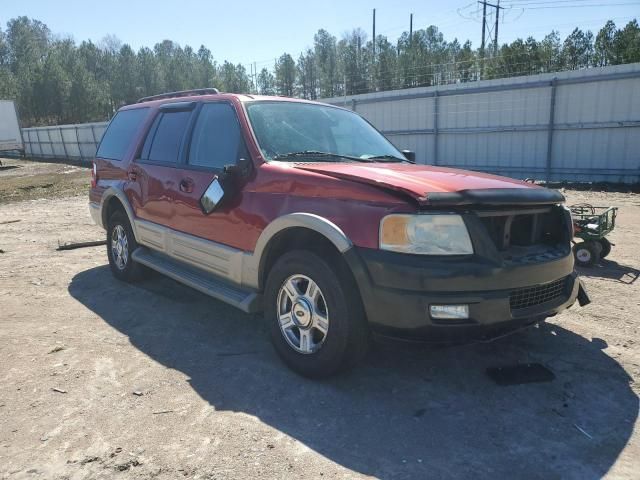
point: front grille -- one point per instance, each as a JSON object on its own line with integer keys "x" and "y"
{"x": 537, "y": 295}
{"x": 524, "y": 227}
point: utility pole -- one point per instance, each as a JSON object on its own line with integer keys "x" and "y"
{"x": 374, "y": 33}
{"x": 495, "y": 42}
{"x": 497, "y": 6}
{"x": 484, "y": 28}
{"x": 410, "y": 30}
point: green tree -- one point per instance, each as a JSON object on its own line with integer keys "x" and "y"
{"x": 627, "y": 43}
{"x": 604, "y": 47}
{"x": 285, "y": 70}
{"x": 577, "y": 49}
{"x": 324, "y": 45}
{"x": 266, "y": 83}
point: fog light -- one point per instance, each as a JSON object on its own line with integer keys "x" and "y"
{"x": 457, "y": 312}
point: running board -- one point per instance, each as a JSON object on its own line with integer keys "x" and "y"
{"x": 245, "y": 300}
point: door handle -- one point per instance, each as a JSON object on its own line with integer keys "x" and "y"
{"x": 186, "y": 185}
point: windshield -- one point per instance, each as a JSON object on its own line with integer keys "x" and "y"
{"x": 310, "y": 132}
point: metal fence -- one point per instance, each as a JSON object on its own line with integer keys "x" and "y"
{"x": 78, "y": 142}
{"x": 569, "y": 126}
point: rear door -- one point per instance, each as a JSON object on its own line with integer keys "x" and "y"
{"x": 215, "y": 141}
{"x": 154, "y": 175}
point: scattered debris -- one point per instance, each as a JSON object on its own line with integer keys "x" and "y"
{"x": 138, "y": 393}
{"x": 59, "y": 348}
{"x": 1, "y": 251}
{"x": 10, "y": 221}
{"x": 122, "y": 467}
{"x": 73, "y": 246}
{"x": 583, "y": 432}
{"x": 59, "y": 390}
{"x": 162, "y": 411}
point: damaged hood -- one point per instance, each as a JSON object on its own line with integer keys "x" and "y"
{"x": 439, "y": 186}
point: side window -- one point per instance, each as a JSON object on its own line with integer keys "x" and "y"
{"x": 165, "y": 136}
{"x": 121, "y": 132}
{"x": 216, "y": 137}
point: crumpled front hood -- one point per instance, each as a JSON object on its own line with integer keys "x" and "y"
{"x": 439, "y": 185}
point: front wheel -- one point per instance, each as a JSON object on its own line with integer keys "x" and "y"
{"x": 315, "y": 315}
{"x": 587, "y": 253}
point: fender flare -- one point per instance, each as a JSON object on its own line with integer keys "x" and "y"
{"x": 119, "y": 194}
{"x": 310, "y": 221}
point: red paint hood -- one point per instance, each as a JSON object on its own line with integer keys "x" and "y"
{"x": 439, "y": 185}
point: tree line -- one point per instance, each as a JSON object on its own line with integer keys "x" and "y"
{"x": 56, "y": 81}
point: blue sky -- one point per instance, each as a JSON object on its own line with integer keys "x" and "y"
{"x": 252, "y": 31}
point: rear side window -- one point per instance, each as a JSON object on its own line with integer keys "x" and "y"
{"x": 121, "y": 132}
{"x": 216, "y": 137}
{"x": 165, "y": 137}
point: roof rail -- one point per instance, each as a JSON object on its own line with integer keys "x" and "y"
{"x": 181, "y": 93}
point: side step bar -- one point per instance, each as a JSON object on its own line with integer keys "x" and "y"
{"x": 245, "y": 300}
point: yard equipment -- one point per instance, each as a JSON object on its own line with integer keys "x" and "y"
{"x": 592, "y": 224}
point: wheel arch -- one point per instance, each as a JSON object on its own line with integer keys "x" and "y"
{"x": 291, "y": 231}
{"x": 114, "y": 199}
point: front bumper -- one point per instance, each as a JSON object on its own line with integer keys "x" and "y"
{"x": 398, "y": 289}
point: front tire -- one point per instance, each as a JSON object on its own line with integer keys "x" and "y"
{"x": 587, "y": 253}
{"x": 315, "y": 315}
{"x": 121, "y": 243}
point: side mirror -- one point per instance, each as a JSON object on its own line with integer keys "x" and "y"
{"x": 409, "y": 155}
{"x": 212, "y": 196}
{"x": 224, "y": 185}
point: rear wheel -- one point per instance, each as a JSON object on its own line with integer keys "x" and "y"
{"x": 121, "y": 243}
{"x": 315, "y": 317}
{"x": 587, "y": 253}
{"x": 606, "y": 247}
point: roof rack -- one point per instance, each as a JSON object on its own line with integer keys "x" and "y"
{"x": 181, "y": 93}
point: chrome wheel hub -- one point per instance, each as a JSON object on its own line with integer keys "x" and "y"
{"x": 119, "y": 247}
{"x": 302, "y": 314}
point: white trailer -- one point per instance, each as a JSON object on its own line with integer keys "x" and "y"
{"x": 10, "y": 137}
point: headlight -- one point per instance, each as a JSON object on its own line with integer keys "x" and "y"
{"x": 429, "y": 234}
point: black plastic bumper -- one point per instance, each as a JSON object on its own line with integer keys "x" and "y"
{"x": 398, "y": 289}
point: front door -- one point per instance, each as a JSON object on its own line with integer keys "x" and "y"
{"x": 216, "y": 141}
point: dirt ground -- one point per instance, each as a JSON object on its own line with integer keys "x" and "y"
{"x": 101, "y": 379}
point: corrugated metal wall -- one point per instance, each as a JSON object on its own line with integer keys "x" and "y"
{"x": 569, "y": 126}
{"x": 78, "y": 142}
{"x": 573, "y": 126}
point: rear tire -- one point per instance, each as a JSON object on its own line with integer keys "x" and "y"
{"x": 587, "y": 253}
{"x": 606, "y": 247}
{"x": 121, "y": 243}
{"x": 315, "y": 315}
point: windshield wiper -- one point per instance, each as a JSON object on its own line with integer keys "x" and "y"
{"x": 390, "y": 158}
{"x": 316, "y": 154}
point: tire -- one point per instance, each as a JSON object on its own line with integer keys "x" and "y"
{"x": 122, "y": 265}
{"x": 587, "y": 253}
{"x": 323, "y": 330}
{"x": 606, "y": 247}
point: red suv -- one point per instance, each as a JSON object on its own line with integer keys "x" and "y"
{"x": 304, "y": 211}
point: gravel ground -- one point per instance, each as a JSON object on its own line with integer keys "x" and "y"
{"x": 100, "y": 379}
